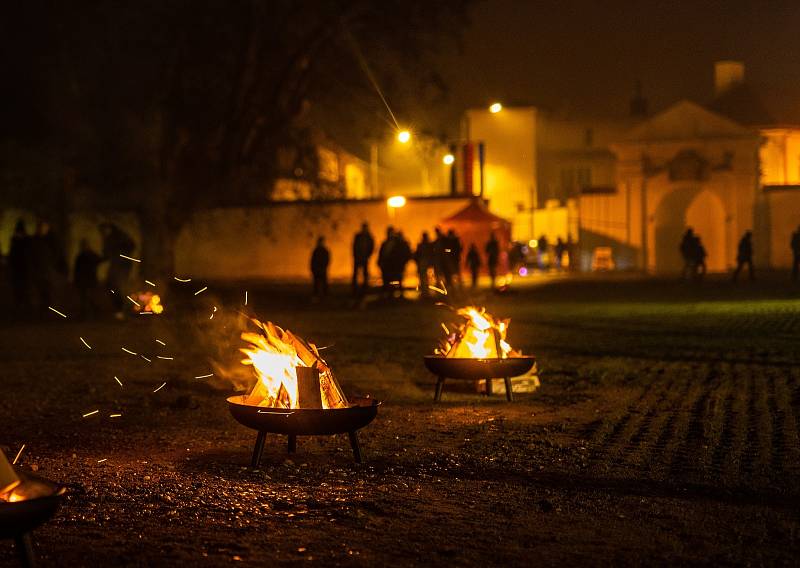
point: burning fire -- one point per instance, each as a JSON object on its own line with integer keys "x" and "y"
{"x": 290, "y": 372}
{"x": 480, "y": 336}
{"x": 148, "y": 302}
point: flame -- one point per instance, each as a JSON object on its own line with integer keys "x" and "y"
{"x": 481, "y": 336}
{"x": 275, "y": 355}
{"x": 148, "y": 302}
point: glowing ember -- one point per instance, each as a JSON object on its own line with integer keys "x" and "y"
{"x": 147, "y": 303}
{"x": 480, "y": 336}
{"x": 278, "y": 357}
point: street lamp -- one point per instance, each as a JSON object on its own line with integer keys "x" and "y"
{"x": 495, "y": 108}
{"x": 404, "y": 136}
{"x": 448, "y": 159}
{"x": 396, "y": 201}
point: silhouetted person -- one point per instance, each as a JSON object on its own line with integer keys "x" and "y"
{"x": 745, "y": 256}
{"x": 18, "y": 265}
{"x": 439, "y": 264}
{"x": 687, "y": 249}
{"x": 474, "y": 263}
{"x": 45, "y": 263}
{"x": 423, "y": 256}
{"x": 698, "y": 259}
{"x": 320, "y": 259}
{"x": 85, "y": 275}
{"x": 559, "y": 252}
{"x": 385, "y": 254}
{"x": 795, "y": 244}
{"x": 515, "y": 257}
{"x": 363, "y": 247}
{"x": 452, "y": 257}
{"x": 115, "y": 243}
{"x": 492, "y": 257}
{"x": 544, "y": 261}
{"x": 399, "y": 258}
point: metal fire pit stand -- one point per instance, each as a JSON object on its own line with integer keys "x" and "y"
{"x": 477, "y": 369}
{"x": 258, "y": 449}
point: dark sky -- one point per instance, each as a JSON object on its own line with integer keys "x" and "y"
{"x": 586, "y": 56}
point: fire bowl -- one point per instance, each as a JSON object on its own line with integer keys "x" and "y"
{"x": 295, "y": 422}
{"x": 41, "y": 501}
{"x": 477, "y": 369}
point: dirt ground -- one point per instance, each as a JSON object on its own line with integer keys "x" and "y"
{"x": 666, "y": 430}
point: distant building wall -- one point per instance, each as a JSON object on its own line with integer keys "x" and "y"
{"x": 276, "y": 242}
{"x": 783, "y": 210}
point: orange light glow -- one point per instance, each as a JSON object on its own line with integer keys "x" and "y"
{"x": 481, "y": 336}
{"x": 275, "y": 355}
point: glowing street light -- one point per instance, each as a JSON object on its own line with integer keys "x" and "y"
{"x": 448, "y": 159}
{"x": 404, "y": 136}
{"x": 495, "y": 108}
{"x": 396, "y": 201}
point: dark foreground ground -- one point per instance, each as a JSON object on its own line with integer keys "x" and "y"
{"x": 665, "y": 431}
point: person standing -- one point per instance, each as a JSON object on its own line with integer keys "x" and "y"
{"x": 688, "y": 254}
{"x": 45, "y": 262}
{"x": 745, "y": 256}
{"x": 698, "y": 259}
{"x": 423, "y": 256}
{"x": 18, "y": 264}
{"x": 453, "y": 256}
{"x": 116, "y": 243}
{"x": 401, "y": 254}
{"x": 385, "y": 256}
{"x": 559, "y": 251}
{"x": 363, "y": 247}
{"x": 439, "y": 258}
{"x": 85, "y": 275}
{"x": 795, "y": 244}
{"x": 544, "y": 259}
{"x": 474, "y": 264}
{"x": 320, "y": 259}
{"x": 492, "y": 257}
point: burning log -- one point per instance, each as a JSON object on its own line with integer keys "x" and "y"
{"x": 480, "y": 336}
{"x": 280, "y": 359}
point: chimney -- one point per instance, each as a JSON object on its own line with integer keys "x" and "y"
{"x": 727, "y": 75}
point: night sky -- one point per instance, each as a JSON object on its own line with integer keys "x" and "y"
{"x": 585, "y": 57}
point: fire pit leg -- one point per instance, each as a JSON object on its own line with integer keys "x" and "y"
{"x": 509, "y": 392}
{"x": 25, "y": 550}
{"x": 439, "y": 386}
{"x": 258, "y": 449}
{"x": 292, "y": 444}
{"x": 356, "y": 446}
{"x": 488, "y": 387}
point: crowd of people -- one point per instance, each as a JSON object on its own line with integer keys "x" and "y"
{"x": 37, "y": 267}
{"x": 438, "y": 261}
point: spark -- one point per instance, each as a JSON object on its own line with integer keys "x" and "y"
{"x": 84, "y": 342}
{"x": 129, "y": 351}
{"x": 102, "y": 460}
{"x": 165, "y": 358}
{"x": 114, "y": 415}
{"x": 161, "y": 342}
{"x": 213, "y": 312}
{"x": 204, "y": 376}
{"x": 201, "y": 290}
{"x": 130, "y": 258}
{"x": 146, "y": 359}
{"x": 135, "y": 303}
{"x": 90, "y": 413}
{"x": 161, "y": 387}
{"x": 245, "y": 297}
{"x": 118, "y": 381}
{"x": 145, "y": 313}
{"x": 52, "y": 309}
{"x": 446, "y": 331}
{"x": 149, "y": 283}
{"x": 183, "y": 279}
{"x": 19, "y": 453}
{"x": 441, "y": 291}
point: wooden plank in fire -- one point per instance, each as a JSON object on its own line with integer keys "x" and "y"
{"x": 309, "y": 394}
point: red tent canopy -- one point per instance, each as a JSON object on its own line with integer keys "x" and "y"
{"x": 474, "y": 224}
